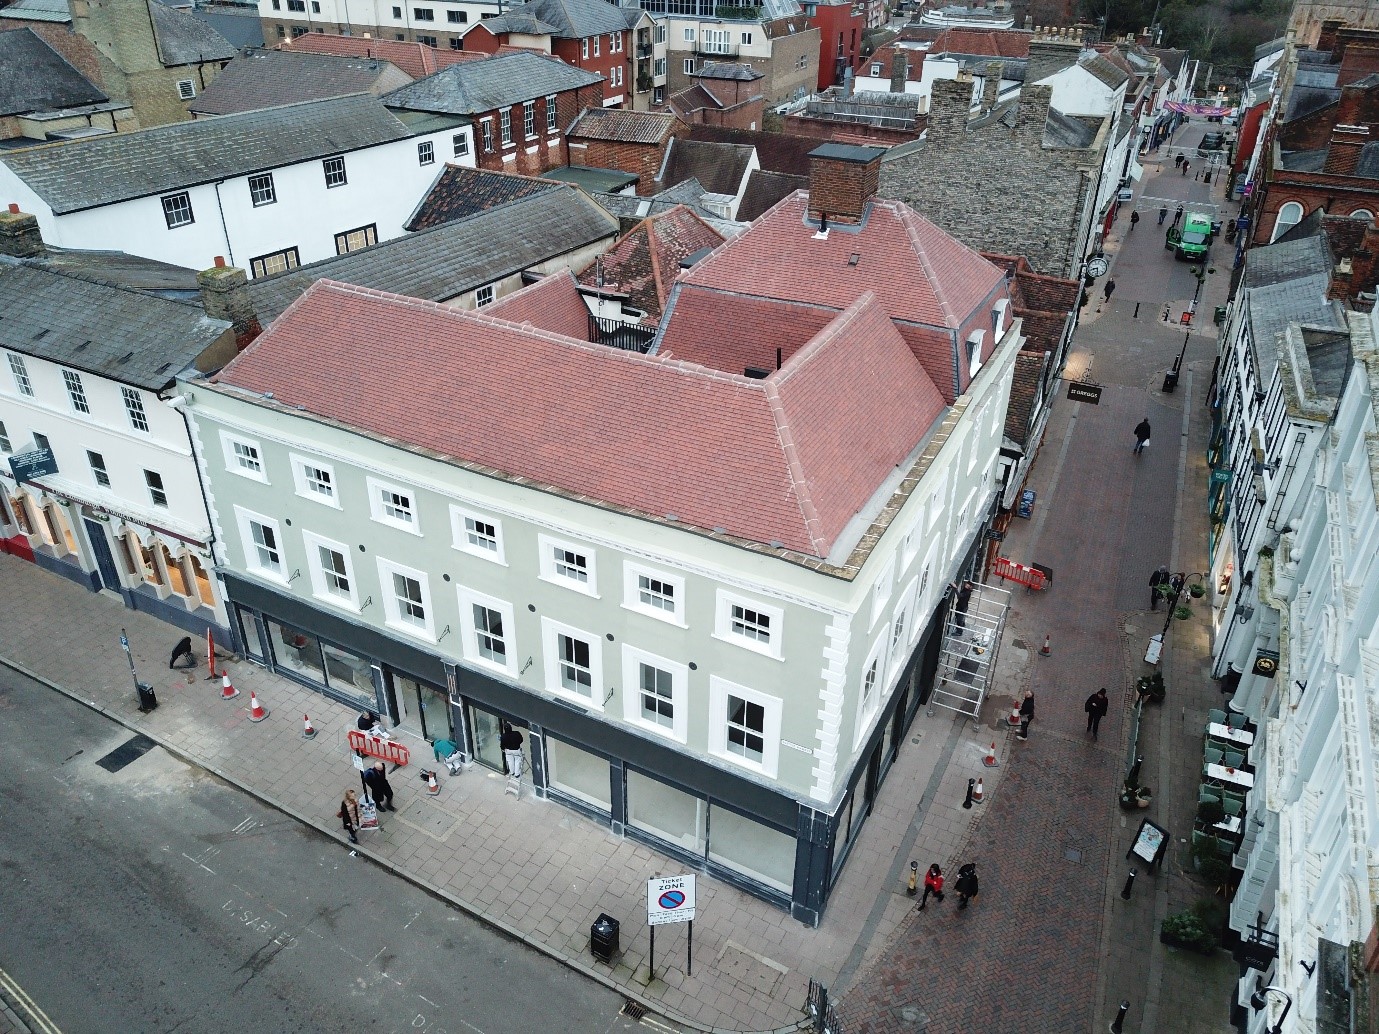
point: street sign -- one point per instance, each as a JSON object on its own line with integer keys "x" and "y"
{"x": 25, "y": 466}
{"x": 669, "y": 899}
{"x": 1081, "y": 391}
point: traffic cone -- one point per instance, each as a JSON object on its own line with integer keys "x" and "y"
{"x": 990, "y": 760}
{"x": 977, "y": 792}
{"x": 257, "y": 712}
{"x": 1014, "y": 718}
{"x": 227, "y": 691}
{"x": 308, "y": 733}
{"x": 432, "y": 787}
{"x": 1047, "y": 648}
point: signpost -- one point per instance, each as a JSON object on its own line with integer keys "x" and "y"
{"x": 670, "y": 899}
{"x": 25, "y": 466}
{"x": 1082, "y": 391}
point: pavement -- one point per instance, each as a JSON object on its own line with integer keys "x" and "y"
{"x": 1047, "y": 946}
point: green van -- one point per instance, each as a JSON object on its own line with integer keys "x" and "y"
{"x": 1192, "y": 240}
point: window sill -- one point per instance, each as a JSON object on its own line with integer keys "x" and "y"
{"x": 573, "y": 586}
{"x": 425, "y": 635}
{"x": 493, "y": 668}
{"x": 510, "y": 147}
{"x": 750, "y": 645}
{"x": 561, "y": 693}
{"x": 348, "y": 606}
{"x": 482, "y": 554}
{"x": 332, "y": 503}
{"x": 659, "y": 731}
{"x": 248, "y": 475}
{"x": 663, "y": 616}
{"x": 738, "y": 761}
{"x": 398, "y": 525}
{"x": 269, "y": 576}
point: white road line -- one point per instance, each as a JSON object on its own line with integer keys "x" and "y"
{"x": 22, "y": 999}
{"x": 409, "y": 922}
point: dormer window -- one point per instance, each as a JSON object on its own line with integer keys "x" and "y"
{"x": 975, "y": 340}
{"x": 998, "y": 318}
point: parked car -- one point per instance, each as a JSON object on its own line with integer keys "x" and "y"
{"x": 1211, "y": 142}
{"x": 1193, "y": 239}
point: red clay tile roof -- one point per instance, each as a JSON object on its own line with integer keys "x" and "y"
{"x": 691, "y": 99}
{"x": 790, "y": 458}
{"x": 760, "y": 327}
{"x": 1025, "y": 388}
{"x": 631, "y": 127}
{"x": 644, "y": 264}
{"x": 416, "y": 59}
{"x": 983, "y": 42}
{"x": 552, "y": 303}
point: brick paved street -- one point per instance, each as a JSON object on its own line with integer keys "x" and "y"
{"x": 1049, "y": 946}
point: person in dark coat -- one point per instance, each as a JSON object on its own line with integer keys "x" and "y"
{"x": 966, "y": 884}
{"x": 1109, "y": 289}
{"x": 183, "y": 649}
{"x": 933, "y": 884}
{"x": 376, "y": 782}
{"x": 1158, "y": 578}
{"x": 1096, "y": 707}
{"x": 960, "y": 606}
{"x": 510, "y": 742}
{"x": 1026, "y": 714}
{"x": 1178, "y": 215}
{"x": 1142, "y": 432}
{"x": 349, "y": 814}
{"x": 1163, "y": 214}
{"x": 1134, "y": 218}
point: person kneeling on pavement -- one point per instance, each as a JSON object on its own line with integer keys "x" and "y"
{"x": 376, "y": 780}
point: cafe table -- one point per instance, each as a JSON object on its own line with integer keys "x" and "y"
{"x": 1240, "y": 737}
{"x": 1238, "y": 778}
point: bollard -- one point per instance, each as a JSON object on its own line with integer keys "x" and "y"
{"x": 970, "y": 784}
{"x": 914, "y": 879}
{"x": 1118, "y": 1024}
{"x": 1129, "y": 883}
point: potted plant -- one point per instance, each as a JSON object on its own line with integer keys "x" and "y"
{"x": 1182, "y": 612}
{"x": 1196, "y": 590}
{"x": 1210, "y": 813}
{"x": 1187, "y": 930}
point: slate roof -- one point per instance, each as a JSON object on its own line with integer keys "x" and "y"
{"x": 238, "y": 23}
{"x": 460, "y": 192}
{"x": 1286, "y": 282}
{"x": 122, "y": 270}
{"x": 719, "y": 167}
{"x": 106, "y": 170}
{"x": 776, "y": 152}
{"x": 644, "y": 264}
{"x": 416, "y": 59}
{"x": 1266, "y": 49}
{"x": 97, "y": 328}
{"x": 629, "y": 208}
{"x": 1367, "y": 166}
{"x": 479, "y": 86}
{"x": 34, "y": 77}
{"x": 780, "y": 460}
{"x": 564, "y": 19}
{"x": 1061, "y": 132}
{"x": 1105, "y": 71}
{"x": 449, "y": 260}
{"x": 1304, "y": 161}
{"x": 38, "y": 11}
{"x": 271, "y": 78}
{"x": 927, "y": 281}
{"x": 765, "y": 190}
{"x": 184, "y": 39}
{"x": 732, "y": 70}
{"x": 630, "y": 127}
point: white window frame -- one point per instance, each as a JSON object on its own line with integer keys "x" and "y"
{"x": 905, "y": 610}
{"x": 134, "y": 409}
{"x": 632, "y": 572}
{"x": 301, "y": 478}
{"x": 505, "y": 126}
{"x": 689, "y": 66}
{"x": 632, "y": 660}
{"x": 881, "y": 591}
{"x": 243, "y": 518}
{"x": 393, "y": 613}
{"x": 235, "y": 464}
{"x": 460, "y": 535}
{"x": 689, "y": 33}
{"x": 867, "y": 706}
{"x": 484, "y": 296}
{"x": 597, "y": 40}
{"x": 19, "y": 371}
{"x": 975, "y": 341}
{"x": 426, "y": 152}
{"x": 319, "y": 584}
{"x": 550, "y": 651}
{"x": 469, "y": 632}
{"x": 548, "y": 545}
{"x": 719, "y": 691}
{"x": 723, "y": 623}
{"x": 76, "y": 393}
{"x": 379, "y": 514}
{"x": 746, "y": 39}
{"x": 265, "y": 192}
{"x": 552, "y": 113}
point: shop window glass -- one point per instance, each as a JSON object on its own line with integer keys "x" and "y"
{"x": 177, "y": 578}
{"x": 205, "y": 590}
{"x": 248, "y": 634}
{"x": 578, "y": 774}
{"x": 669, "y": 814}
{"x": 296, "y": 651}
{"x": 487, "y": 727}
{"x": 348, "y": 673}
{"x": 754, "y": 850}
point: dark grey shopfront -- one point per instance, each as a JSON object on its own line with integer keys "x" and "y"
{"x": 733, "y": 828}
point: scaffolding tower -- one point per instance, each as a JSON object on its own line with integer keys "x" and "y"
{"x": 971, "y": 642}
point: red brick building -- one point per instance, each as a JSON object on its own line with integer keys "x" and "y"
{"x": 630, "y": 141}
{"x": 519, "y": 103}
{"x": 724, "y": 93}
{"x": 840, "y": 24}
{"x": 589, "y": 34}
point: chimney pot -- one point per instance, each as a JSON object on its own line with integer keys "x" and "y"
{"x": 14, "y": 209}
{"x": 220, "y": 262}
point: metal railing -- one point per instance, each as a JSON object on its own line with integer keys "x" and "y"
{"x": 629, "y": 337}
{"x": 820, "y": 1010}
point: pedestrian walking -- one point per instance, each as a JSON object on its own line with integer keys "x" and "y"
{"x": 1096, "y": 707}
{"x": 1178, "y": 215}
{"x": 1026, "y": 714}
{"x": 1177, "y": 161}
{"x": 183, "y": 649}
{"x": 349, "y": 814}
{"x": 966, "y": 884}
{"x": 1135, "y": 218}
{"x": 960, "y": 604}
{"x": 933, "y": 884}
{"x": 1163, "y": 214}
{"x": 511, "y": 744}
{"x": 1142, "y": 430}
{"x": 1158, "y": 578}
{"x": 377, "y": 786}
{"x": 1109, "y": 289}
{"x": 1186, "y": 166}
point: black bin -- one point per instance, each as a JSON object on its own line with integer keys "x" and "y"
{"x": 603, "y": 938}
{"x": 1170, "y": 382}
{"x": 148, "y": 699}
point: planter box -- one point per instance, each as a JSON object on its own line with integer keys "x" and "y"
{"x": 1174, "y": 942}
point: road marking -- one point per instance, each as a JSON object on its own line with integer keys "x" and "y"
{"x": 200, "y": 860}
{"x": 21, "y": 998}
{"x": 409, "y": 922}
{"x": 245, "y": 826}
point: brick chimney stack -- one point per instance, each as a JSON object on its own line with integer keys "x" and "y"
{"x": 1344, "y": 153}
{"x": 1051, "y": 52}
{"x": 991, "y": 84}
{"x": 900, "y": 70}
{"x": 225, "y": 296}
{"x": 842, "y": 179}
{"x": 20, "y": 236}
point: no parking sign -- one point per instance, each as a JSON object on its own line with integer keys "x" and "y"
{"x": 669, "y": 899}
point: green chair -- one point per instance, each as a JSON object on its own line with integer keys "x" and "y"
{"x": 1212, "y": 756}
{"x": 1229, "y": 795}
{"x": 1216, "y": 715}
{"x": 1234, "y": 759}
{"x": 1209, "y": 795}
{"x": 1233, "y": 809}
{"x": 1237, "y": 721}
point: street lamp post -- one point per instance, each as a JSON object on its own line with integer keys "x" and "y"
{"x": 1258, "y": 1001}
{"x": 1200, "y": 273}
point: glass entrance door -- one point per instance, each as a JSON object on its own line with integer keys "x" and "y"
{"x": 486, "y": 728}
{"x": 422, "y": 709}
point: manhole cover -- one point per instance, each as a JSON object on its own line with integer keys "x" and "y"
{"x": 425, "y": 817}
{"x": 126, "y": 753}
{"x": 1072, "y": 854}
{"x": 913, "y": 1016}
{"x": 1019, "y": 644}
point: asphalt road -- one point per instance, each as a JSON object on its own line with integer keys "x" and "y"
{"x": 156, "y": 898}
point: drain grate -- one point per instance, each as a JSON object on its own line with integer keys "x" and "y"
{"x": 126, "y": 753}
{"x": 633, "y": 1010}
{"x": 1019, "y": 644}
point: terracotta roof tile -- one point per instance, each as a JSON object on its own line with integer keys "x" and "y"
{"x": 553, "y": 303}
{"x": 695, "y": 331}
{"x": 416, "y": 59}
{"x": 460, "y": 192}
{"x": 983, "y": 42}
{"x": 635, "y": 127}
{"x": 644, "y": 264}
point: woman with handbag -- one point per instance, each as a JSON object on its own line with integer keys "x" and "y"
{"x": 933, "y": 884}
{"x": 349, "y": 814}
